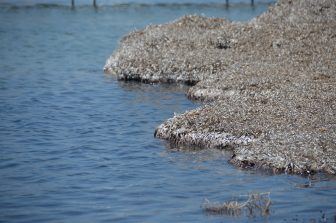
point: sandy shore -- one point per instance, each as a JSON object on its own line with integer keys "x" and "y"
{"x": 269, "y": 84}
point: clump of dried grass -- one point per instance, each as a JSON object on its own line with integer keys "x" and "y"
{"x": 272, "y": 82}
{"x": 256, "y": 204}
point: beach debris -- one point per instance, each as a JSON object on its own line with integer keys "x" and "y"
{"x": 269, "y": 84}
{"x": 256, "y": 204}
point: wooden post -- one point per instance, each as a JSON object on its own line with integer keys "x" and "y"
{"x": 252, "y": 2}
{"x": 73, "y": 4}
{"x": 227, "y": 3}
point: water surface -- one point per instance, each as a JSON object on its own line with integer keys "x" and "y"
{"x": 78, "y": 146}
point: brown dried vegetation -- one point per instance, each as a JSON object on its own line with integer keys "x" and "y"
{"x": 271, "y": 83}
{"x": 256, "y": 204}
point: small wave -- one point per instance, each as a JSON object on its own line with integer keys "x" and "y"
{"x": 34, "y": 6}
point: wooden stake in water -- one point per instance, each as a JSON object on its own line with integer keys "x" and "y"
{"x": 73, "y": 3}
{"x": 227, "y": 3}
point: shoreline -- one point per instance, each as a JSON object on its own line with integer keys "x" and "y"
{"x": 269, "y": 84}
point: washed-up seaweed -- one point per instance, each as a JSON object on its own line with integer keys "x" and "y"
{"x": 269, "y": 84}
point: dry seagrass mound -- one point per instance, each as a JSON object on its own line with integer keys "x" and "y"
{"x": 270, "y": 83}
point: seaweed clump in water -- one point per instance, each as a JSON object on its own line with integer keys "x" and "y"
{"x": 257, "y": 204}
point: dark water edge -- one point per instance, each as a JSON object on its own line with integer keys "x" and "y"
{"x": 78, "y": 146}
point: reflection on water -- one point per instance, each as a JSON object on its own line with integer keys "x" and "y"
{"x": 78, "y": 146}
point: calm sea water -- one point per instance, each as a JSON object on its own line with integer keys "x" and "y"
{"x": 78, "y": 146}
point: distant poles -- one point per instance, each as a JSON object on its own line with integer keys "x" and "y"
{"x": 94, "y": 3}
{"x": 227, "y": 3}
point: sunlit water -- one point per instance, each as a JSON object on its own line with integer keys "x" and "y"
{"x": 78, "y": 146}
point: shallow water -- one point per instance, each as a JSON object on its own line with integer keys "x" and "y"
{"x": 78, "y": 146}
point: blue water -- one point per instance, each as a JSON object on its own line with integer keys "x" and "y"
{"x": 78, "y": 146}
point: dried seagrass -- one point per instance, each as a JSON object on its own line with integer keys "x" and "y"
{"x": 256, "y": 204}
{"x": 272, "y": 83}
